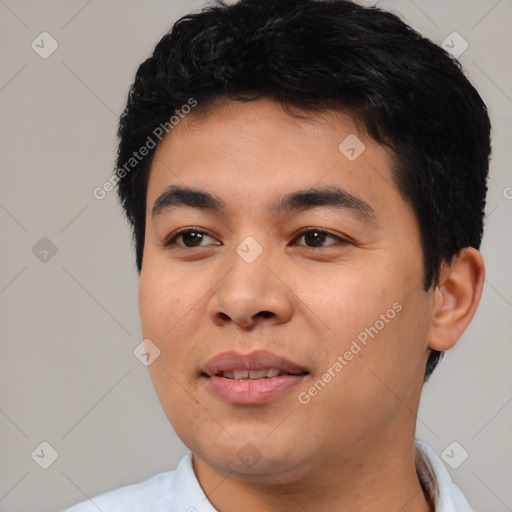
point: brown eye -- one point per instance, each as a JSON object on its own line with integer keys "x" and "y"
{"x": 315, "y": 238}
{"x": 191, "y": 237}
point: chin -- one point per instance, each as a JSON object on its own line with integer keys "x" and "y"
{"x": 262, "y": 459}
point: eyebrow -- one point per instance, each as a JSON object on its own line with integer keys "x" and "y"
{"x": 300, "y": 200}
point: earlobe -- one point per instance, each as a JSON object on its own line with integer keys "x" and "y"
{"x": 456, "y": 298}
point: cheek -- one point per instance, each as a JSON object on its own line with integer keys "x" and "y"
{"x": 375, "y": 317}
{"x": 176, "y": 394}
{"x": 165, "y": 300}
{"x": 170, "y": 302}
{"x": 346, "y": 303}
{"x": 383, "y": 361}
{"x": 390, "y": 364}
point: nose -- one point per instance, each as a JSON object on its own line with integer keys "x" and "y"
{"x": 250, "y": 294}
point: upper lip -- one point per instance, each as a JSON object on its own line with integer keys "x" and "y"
{"x": 257, "y": 360}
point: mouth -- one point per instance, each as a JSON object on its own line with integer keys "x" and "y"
{"x": 255, "y": 365}
{"x": 255, "y": 374}
{"x": 250, "y": 379}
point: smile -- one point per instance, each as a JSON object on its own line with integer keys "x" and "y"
{"x": 251, "y": 379}
{"x": 252, "y": 374}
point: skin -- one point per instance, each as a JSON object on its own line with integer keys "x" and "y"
{"x": 352, "y": 446}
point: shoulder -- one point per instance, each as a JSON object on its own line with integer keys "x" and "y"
{"x": 162, "y": 492}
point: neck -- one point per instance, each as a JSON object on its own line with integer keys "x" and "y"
{"x": 381, "y": 475}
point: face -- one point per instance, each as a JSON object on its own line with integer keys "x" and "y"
{"x": 287, "y": 304}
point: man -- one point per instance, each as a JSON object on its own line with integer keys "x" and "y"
{"x": 306, "y": 184}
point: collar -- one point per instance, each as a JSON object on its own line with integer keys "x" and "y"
{"x": 444, "y": 495}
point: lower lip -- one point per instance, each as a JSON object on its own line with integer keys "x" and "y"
{"x": 252, "y": 392}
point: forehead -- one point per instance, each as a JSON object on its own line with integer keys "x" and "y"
{"x": 253, "y": 151}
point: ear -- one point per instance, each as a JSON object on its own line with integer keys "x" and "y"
{"x": 456, "y": 298}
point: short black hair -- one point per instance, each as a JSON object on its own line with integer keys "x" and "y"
{"x": 406, "y": 92}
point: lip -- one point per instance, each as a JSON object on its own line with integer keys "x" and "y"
{"x": 247, "y": 391}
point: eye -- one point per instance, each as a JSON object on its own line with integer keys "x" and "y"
{"x": 316, "y": 237}
{"x": 191, "y": 237}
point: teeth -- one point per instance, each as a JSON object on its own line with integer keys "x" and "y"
{"x": 257, "y": 374}
{"x": 251, "y": 374}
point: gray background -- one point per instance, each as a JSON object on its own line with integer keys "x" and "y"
{"x": 69, "y": 321}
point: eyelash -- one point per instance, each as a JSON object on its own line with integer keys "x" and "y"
{"x": 171, "y": 244}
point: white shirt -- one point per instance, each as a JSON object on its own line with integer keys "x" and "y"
{"x": 179, "y": 490}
